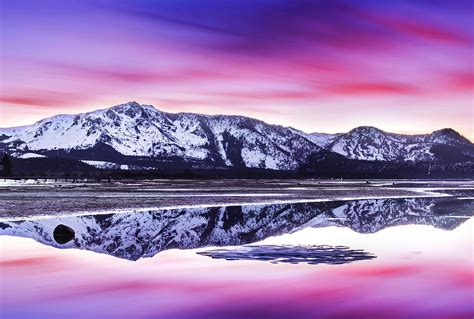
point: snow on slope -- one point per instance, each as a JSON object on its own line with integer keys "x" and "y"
{"x": 322, "y": 139}
{"x": 102, "y": 164}
{"x": 29, "y": 155}
{"x": 140, "y": 130}
{"x": 370, "y": 143}
{"x": 132, "y": 129}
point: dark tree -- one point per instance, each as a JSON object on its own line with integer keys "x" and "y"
{"x": 7, "y": 165}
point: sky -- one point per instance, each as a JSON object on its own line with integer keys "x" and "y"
{"x": 319, "y": 66}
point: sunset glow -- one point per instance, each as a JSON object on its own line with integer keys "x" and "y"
{"x": 319, "y": 66}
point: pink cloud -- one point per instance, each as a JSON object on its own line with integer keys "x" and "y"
{"x": 369, "y": 88}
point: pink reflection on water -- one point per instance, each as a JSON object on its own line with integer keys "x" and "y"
{"x": 43, "y": 282}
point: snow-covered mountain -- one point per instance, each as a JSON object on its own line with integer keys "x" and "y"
{"x": 143, "y": 234}
{"x": 132, "y": 130}
{"x": 370, "y": 143}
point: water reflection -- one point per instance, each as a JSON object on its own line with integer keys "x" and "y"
{"x": 143, "y": 234}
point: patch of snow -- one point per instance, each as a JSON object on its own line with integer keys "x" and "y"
{"x": 101, "y": 164}
{"x": 30, "y": 155}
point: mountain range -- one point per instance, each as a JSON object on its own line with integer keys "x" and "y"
{"x": 140, "y": 137}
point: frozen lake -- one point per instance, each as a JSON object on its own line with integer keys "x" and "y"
{"x": 40, "y": 198}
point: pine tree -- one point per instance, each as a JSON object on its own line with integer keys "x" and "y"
{"x": 7, "y": 165}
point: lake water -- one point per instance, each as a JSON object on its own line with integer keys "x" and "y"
{"x": 365, "y": 258}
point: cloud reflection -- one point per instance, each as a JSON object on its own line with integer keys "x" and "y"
{"x": 311, "y": 255}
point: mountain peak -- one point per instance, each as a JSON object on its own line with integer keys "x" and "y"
{"x": 366, "y": 130}
{"x": 448, "y": 134}
{"x": 128, "y": 105}
{"x": 132, "y": 109}
{"x": 134, "y": 104}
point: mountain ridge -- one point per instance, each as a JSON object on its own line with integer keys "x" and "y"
{"x": 149, "y": 106}
{"x": 135, "y": 130}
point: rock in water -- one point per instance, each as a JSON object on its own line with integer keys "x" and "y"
{"x": 63, "y": 234}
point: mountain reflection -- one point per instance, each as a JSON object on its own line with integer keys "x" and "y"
{"x": 144, "y": 234}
